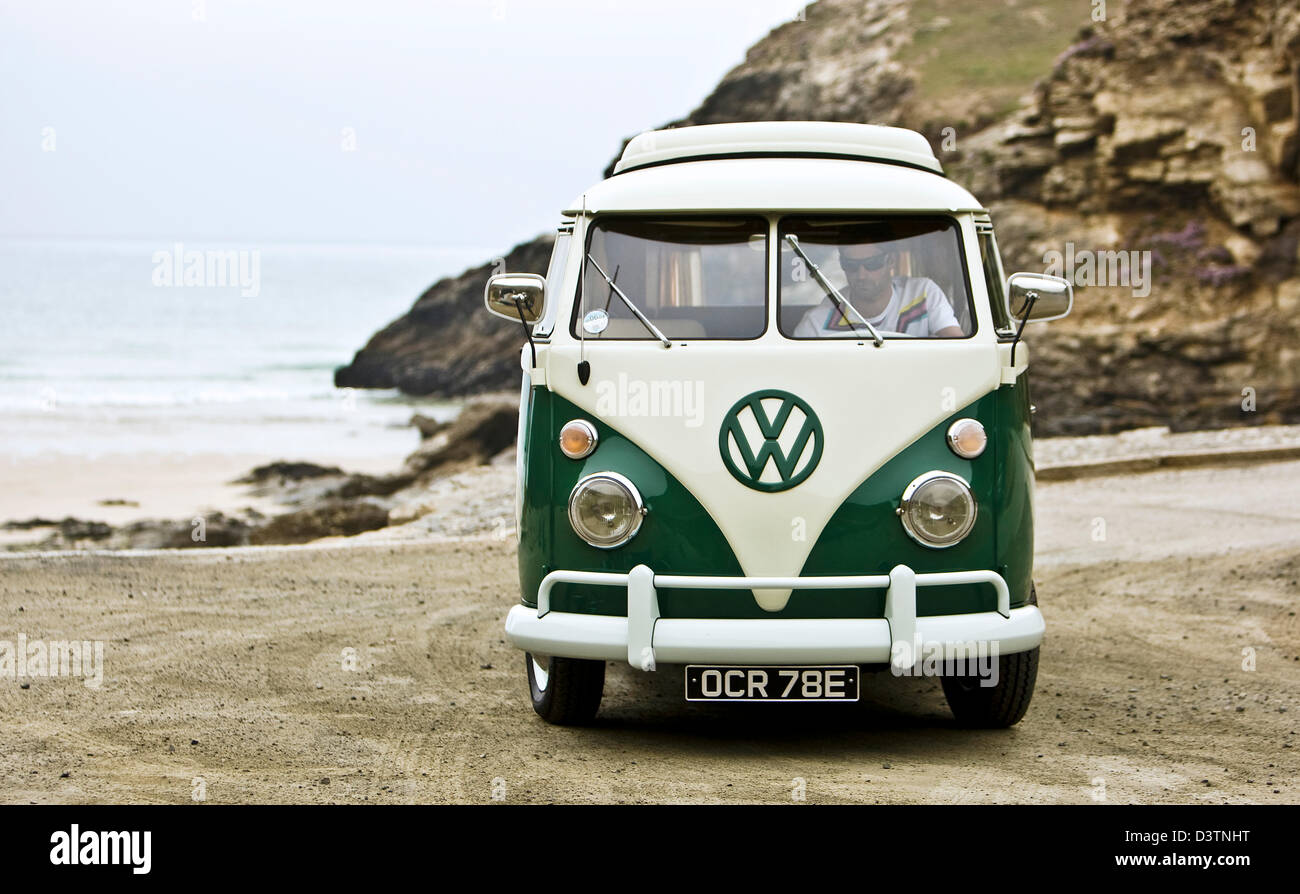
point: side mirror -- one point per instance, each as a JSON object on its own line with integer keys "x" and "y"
{"x": 509, "y": 293}
{"x": 1054, "y": 296}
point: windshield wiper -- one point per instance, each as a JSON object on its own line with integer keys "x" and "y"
{"x": 636, "y": 311}
{"x": 832, "y": 292}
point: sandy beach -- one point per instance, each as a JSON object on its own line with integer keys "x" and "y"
{"x": 162, "y": 485}
{"x": 226, "y": 672}
{"x": 119, "y": 489}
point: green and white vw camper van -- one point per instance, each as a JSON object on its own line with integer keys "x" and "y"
{"x": 774, "y": 427}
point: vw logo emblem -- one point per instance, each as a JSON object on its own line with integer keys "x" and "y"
{"x": 770, "y": 440}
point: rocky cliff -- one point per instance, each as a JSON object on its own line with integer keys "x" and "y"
{"x": 1162, "y": 130}
{"x": 1167, "y": 130}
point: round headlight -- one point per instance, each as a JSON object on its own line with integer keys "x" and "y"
{"x": 937, "y": 509}
{"x": 578, "y": 439}
{"x": 605, "y": 510}
{"x": 967, "y": 439}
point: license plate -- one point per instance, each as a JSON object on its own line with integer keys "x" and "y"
{"x": 772, "y": 683}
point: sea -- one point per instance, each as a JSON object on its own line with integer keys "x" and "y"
{"x": 158, "y": 347}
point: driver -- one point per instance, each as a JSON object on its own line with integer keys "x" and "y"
{"x": 912, "y": 305}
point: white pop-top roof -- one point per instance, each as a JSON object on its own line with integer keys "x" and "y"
{"x": 777, "y": 166}
{"x": 760, "y": 185}
{"x": 784, "y": 138}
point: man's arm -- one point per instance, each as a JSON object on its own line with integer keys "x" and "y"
{"x": 943, "y": 321}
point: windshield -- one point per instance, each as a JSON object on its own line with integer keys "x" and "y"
{"x": 903, "y": 275}
{"x": 691, "y": 278}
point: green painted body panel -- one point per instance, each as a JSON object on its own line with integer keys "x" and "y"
{"x": 864, "y": 536}
{"x": 677, "y": 537}
{"x": 1014, "y": 445}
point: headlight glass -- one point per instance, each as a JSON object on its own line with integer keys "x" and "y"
{"x": 605, "y": 510}
{"x": 967, "y": 439}
{"x": 938, "y": 509}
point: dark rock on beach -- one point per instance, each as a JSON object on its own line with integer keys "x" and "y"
{"x": 482, "y": 430}
{"x": 371, "y": 486}
{"x": 427, "y": 425}
{"x": 68, "y": 530}
{"x": 335, "y": 519}
{"x": 217, "y": 529}
{"x": 29, "y": 524}
{"x": 283, "y": 471}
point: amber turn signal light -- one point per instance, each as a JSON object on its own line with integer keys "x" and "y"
{"x": 578, "y": 439}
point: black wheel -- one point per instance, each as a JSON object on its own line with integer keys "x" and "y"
{"x": 996, "y": 706}
{"x": 565, "y": 691}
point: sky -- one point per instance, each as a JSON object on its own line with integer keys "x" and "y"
{"x": 462, "y": 125}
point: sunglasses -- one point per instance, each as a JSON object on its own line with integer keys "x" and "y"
{"x": 872, "y": 263}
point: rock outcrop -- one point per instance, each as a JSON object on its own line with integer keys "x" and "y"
{"x": 481, "y": 431}
{"x": 1168, "y": 130}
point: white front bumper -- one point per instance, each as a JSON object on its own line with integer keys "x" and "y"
{"x": 643, "y": 638}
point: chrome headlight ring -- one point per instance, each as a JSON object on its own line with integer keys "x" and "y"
{"x": 629, "y": 493}
{"x": 914, "y": 499}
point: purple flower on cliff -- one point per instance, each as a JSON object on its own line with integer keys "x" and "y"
{"x": 1217, "y": 276}
{"x": 1189, "y": 238}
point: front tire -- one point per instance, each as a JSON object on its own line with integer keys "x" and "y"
{"x": 994, "y": 707}
{"x": 565, "y": 691}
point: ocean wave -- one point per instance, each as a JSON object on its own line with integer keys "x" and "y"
{"x": 50, "y": 398}
{"x": 313, "y": 402}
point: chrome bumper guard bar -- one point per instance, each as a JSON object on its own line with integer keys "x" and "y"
{"x": 644, "y": 638}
